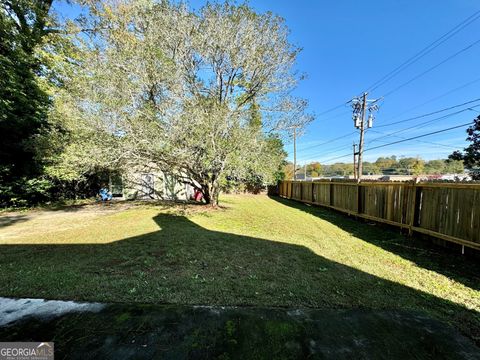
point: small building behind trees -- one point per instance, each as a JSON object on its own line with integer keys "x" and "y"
{"x": 148, "y": 184}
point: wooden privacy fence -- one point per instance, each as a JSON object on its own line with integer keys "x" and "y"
{"x": 448, "y": 211}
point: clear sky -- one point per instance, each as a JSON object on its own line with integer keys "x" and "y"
{"x": 348, "y": 45}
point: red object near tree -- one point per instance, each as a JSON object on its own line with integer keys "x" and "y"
{"x": 198, "y": 196}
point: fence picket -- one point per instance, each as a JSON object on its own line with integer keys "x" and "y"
{"x": 448, "y": 211}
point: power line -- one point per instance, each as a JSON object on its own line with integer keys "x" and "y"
{"x": 422, "y": 141}
{"x": 422, "y": 124}
{"x": 429, "y": 114}
{"x": 336, "y": 116}
{"x": 472, "y": 18}
{"x": 331, "y": 150}
{"x": 438, "y": 97}
{"x": 405, "y": 120}
{"x": 324, "y": 142}
{"x": 311, "y": 156}
{"x": 403, "y": 140}
{"x": 336, "y": 158}
{"x": 328, "y": 141}
{"x": 425, "y": 51}
{"x": 333, "y": 108}
{"x": 419, "y": 136}
{"x": 432, "y": 68}
{"x": 410, "y": 61}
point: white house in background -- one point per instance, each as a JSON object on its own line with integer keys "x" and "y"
{"x": 149, "y": 184}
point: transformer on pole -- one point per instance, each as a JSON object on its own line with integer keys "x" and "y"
{"x": 361, "y": 105}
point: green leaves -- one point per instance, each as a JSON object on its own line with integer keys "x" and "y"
{"x": 471, "y": 154}
{"x": 189, "y": 93}
{"x": 24, "y": 103}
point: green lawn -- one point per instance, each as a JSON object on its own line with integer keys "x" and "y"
{"x": 256, "y": 250}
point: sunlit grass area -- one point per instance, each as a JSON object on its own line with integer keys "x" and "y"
{"x": 255, "y": 250}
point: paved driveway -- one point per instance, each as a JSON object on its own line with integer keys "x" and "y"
{"x": 117, "y": 331}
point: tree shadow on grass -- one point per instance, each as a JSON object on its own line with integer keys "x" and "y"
{"x": 183, "y": 263}
{"x": 426, "y": 255}
{"x": 10, "y": 219}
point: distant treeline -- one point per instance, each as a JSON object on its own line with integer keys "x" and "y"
{"x": 392, "y": 165}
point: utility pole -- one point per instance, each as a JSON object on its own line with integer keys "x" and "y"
{"x": 362, "y": 136}
{"x": 360, "y": 107}
{"x": 294, "y": 127}
{"x": 305, "y": 172}
{"x": 294, "y": 153}
{"x": 354, "y": 161}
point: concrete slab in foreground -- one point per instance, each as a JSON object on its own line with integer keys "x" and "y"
{"x": 96, "y": 331}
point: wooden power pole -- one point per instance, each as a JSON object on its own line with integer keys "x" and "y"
{"x": 354, "y": 161}
{"x": 294, "y": 153}
{"x": 362, "y": 136}
{"x": 360, "y": 107}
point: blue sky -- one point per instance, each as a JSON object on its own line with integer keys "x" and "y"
{"x": 349, "y": 45}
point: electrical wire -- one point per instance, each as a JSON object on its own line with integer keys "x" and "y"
{"x": 330, "y": 151}
{"x": 425, "y": 51}
{"x": 419, "y": 136}
{"x": 428, "y": 114}
{"x": 328, "y": 141}
{"x": 403, "y": 66}
{"x": 334, "y": 108}
{"x": 403, "y": 140}
{"x": 438, "y": 97}
{"x": 336, "y": 158}
{"x": 472, "y": 18}
{"x": 431, "y": 68}
{"x": 417, "y": 126}
{"x": 412, "y": 118}
{"x": 422, "y": 141}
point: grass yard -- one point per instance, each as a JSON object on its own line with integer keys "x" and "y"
{"x": 256, "y": 250}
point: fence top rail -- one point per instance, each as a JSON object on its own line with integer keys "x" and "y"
{"x": 451, "y": 185}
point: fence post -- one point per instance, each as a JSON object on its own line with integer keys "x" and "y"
{"x": 414, "y": 210}
{"x": 413, "y": 206}
{"x": 359, "y": 199}
{"x": 331, "y": 193}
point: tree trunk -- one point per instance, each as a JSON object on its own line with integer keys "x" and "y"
{"x": 206, "y": 194}
{"x": 211, "y": 191}
{"x": 215, "y": 190}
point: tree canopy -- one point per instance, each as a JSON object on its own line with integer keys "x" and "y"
{"x": 24, "y": 27}
{"x": 203, "y": 95}
{"x": 471, "y": 154}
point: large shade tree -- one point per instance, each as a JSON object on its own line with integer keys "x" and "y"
{"x": 24, "y": 28}
{"x": 199, "y": 94}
